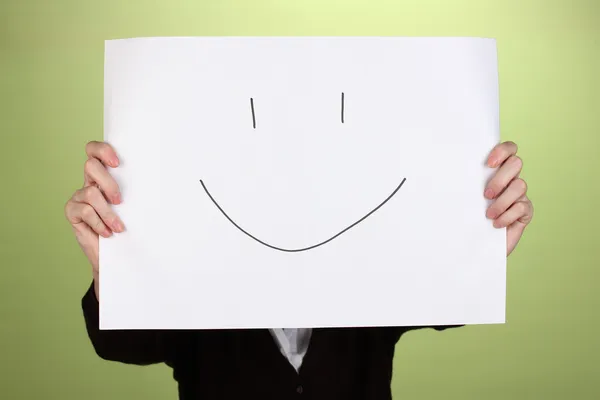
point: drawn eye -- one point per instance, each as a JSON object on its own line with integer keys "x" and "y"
{"x": 342, "y": 107}
{"x": 253, "y": 116}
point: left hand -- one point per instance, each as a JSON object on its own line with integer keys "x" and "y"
{"x": 511, "y": 208}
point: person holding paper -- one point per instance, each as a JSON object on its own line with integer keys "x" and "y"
{"x": 345, "y": 363}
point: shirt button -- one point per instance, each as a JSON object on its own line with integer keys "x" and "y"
{"x": 299, "y": 389}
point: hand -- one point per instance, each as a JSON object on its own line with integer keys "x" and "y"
{"x": 88, "y": 210}
{"x": 511, "y": 208}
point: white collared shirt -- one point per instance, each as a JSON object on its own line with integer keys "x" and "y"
{"x": 293, "y": 343}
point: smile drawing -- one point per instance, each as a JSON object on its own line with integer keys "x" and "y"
{"x": 304, "y": 248}
{"x": 315, "y": 245}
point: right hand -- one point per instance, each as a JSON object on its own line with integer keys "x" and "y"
{"x": 88, "y": 210}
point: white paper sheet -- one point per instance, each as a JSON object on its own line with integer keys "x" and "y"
{"x": 302, "y": 182}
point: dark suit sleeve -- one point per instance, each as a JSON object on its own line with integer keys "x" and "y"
{"x": 395, "y": 333}
{"x": 139, "y": 347}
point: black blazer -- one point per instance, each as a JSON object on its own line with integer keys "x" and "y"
{"x": 340, "y": 363}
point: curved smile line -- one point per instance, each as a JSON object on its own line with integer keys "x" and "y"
{"x": 305, "y": 248}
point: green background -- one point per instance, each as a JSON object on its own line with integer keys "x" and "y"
{"x": 51, "y": 67}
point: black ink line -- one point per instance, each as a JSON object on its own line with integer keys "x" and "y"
{"x": 342, "y": 107}
{"x": 252, "y": 107}
{"x": 305, "y": 248}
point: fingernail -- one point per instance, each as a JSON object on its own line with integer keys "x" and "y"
{"x": 118, "y": 225}
{"x": 117, "y": 198}
{"x": 106, "y": 233}
{"x": 491, "y": 214}
{"x": 114, "y": 162}
{"x": 497, "y": 224}
{"x": 491, "y": 162}
{"x": 489, "y": 193}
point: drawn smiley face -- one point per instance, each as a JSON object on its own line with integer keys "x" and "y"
{"x": 248, "y": 177}
{"x": 319, "y": 243}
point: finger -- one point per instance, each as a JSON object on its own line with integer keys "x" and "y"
{"x": 514, "y": 233}
{"x": 103, "y": 152}
{"x": 519, "y": 211}
{"x": 88, "y": 240}
{"x": 515, "y": 190}
{"x": 82, "y": 213}
{"x": 501, "y": 152}
{"x": 91, "y": 195}
{"x": 96, "y": 174}
{"x": 509, "y": 171}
